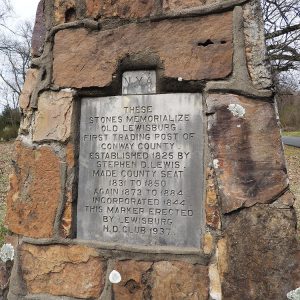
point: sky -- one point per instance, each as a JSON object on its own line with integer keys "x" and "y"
{"x": 24, "y": 9}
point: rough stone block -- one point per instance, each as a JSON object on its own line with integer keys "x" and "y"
{"x": 39, "y": 30}
{"x": 64, "y": 11}
{"x": 208, "y": 243}
{"x": 135, "y": 276}
{"x": 26, "y": 121}
{"x": 129, "y": 9}
{"x": 179, "y": 280}
{"x": 261, "y": 261}
{"x": 177, "y": 5}
{"x": 53, "y": 117}
{"x": 194, "y": 50}
{"x": 66, "y": 220}
{"x": 29, "y": 85}
{"x": 212, "y": 210}
{"x": 67, "y": 217}
{"x": 258, "y": 65}
{"x": 161, "y": 280}
{"x": 241, "y": 131}
{"x": 35, "y": 191}
{"x": 74, "y": 271}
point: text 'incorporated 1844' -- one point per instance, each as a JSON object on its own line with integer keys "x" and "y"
{"x": 141, "y": 170}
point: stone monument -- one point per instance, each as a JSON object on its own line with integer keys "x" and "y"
{"x": 149, "y": 158}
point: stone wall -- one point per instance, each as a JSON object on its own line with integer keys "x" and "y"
{"x": 81, "y": 48}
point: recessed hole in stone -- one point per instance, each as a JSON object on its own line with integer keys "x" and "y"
{"x": 223, "y": 42}
{"x": 132, "y": 286}
{"x": 44, "y": 75}
{"x": 206, "y": 43}
{"x": 70, "y": 14}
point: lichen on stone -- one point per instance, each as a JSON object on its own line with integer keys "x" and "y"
{"x": 237, "y": 110}
{"x": 7, "y": 252}
{"x": 294, "y": 295}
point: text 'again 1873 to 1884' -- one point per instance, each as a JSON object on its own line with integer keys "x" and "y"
{"x": 141, "y": 170}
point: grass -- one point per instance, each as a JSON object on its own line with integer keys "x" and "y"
{"x": 291, "y": 133}
{"x": 292, "y": 155}
{"x": 6, "y": 155}
{"x": 3, "y": 233}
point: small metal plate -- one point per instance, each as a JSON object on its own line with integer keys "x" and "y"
{"x": 141, "y": 170}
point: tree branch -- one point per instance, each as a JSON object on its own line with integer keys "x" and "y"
{"x": 283, "y": 31}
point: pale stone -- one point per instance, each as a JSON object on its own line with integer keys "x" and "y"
{"x": 26, "y": 121}
{"x": 215, "y": 288}
{"x": 54, "y": 117}
{"x": 139, "y": 82}
{"x": 256, "y": 53}
{"x": 29, "y": 85}
{"x": 222, "y": 257}
{"x": 208, "y": 243}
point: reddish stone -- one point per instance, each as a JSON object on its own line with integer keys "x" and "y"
{"x": 67, "y": 217}
{"x": 247, "y": 149}
{"x": 93, "y": 8}
{"x": 39, "y": 30}
{"x": 89, "y": 59}
{"x": 70, "y": 155}
{"x": 177, "y": 5}
{"x": 66, "y": 220}
{"x": 35, "y": 191}
{"x": 4, "y": 276}
{"x": 261, "y": 254}
{"x": 179, "y": 280}
{"x": 74, "y": 271}
{"x": 134, "y": 280}
{"x": 212, "y": 211}
{"x": 53, "y": 119}
{"x": 64, "y": 11}
{"x": 123, "y": 8}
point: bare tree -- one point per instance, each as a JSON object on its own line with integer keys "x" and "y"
{"x": 15, "y": 58}
{"x": 14, "y": 62}
{"x": 5, "y": 10}
{"x": 282, "y": 24}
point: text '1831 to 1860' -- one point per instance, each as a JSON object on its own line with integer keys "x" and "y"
{"x": 141, "y": 170}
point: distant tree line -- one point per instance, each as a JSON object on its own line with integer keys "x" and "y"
{"x": 14, "y": 62}
{"x": 9, "y": 123}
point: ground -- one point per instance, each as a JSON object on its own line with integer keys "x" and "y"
{"x": 292, "y": 133}
{"x": 7, "y": 156}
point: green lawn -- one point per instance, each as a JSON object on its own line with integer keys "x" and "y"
{"x": 291, "y": 133}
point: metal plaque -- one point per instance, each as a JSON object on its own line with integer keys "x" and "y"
{"x": 141, "y": 170}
